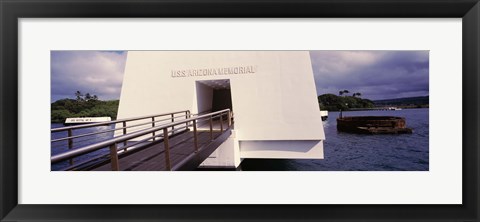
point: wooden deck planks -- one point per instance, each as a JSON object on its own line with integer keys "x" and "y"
{"x": 153, "y": 158}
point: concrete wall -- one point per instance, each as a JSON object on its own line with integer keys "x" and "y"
{"x": 204, "y": 98}
{"x": 273, "y": 95}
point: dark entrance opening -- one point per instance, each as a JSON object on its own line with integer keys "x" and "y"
{"x": 222, "y": 99}
{"x": 213, "y": 95}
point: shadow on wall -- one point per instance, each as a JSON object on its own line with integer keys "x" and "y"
{"x": 303, "y": 146}
{"x": 211, "y": 96}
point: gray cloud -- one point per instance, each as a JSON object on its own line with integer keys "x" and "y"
{"x": 96, "y": 72}
{"x": 375, "y": 74}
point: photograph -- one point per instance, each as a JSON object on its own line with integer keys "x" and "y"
{"x": 316, "y": 110}
{"x": 322, "y": 110}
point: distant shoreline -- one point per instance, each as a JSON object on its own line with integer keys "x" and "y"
{"x": 378, "y": 110}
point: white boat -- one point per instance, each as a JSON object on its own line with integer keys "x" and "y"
{"x": 324, "y": 115}
{"x": 394, "y": 108}
{"x": 84, "y": 120}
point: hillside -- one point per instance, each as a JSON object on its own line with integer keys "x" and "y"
{"x": 65, "y": 108}
{"x": 408, "y": 101}
{"x": 331, "y": 102}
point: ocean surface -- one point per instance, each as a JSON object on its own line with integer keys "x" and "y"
{"x": 62, "y": 146}
{"x": 354, "y": 152}
{"x": 342, "y": 151}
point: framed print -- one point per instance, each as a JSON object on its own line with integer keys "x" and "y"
{"x": 242, "y": 86}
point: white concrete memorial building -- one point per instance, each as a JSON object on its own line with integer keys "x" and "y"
{"x": 271, "y": 93}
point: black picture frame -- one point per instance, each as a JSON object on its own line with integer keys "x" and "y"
{"x": 11, "y": 11}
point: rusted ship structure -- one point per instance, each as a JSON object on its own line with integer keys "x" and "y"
{"x": 373, "y": 125}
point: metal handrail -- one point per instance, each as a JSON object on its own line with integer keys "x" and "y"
{"x": 183, "y": 128}
{"x": 116, "y": 129}
{"x": 112, "y": 142}
{"x": 123, "y": 148}
{"x": 113, "y": 121}
{"x": 70, "y": 135}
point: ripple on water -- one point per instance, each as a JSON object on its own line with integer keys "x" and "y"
{"x": 352, "y": 152}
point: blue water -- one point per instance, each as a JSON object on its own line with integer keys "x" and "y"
{"x": 355, "y": 152}
{"x": 342, "y": 151}
{"x": 62, "y": 146}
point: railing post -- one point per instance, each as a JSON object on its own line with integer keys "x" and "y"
{"x": 229, "y": 119}
{"x": 195, "y": 139}
{"x": 173, "y": 120}
{"x": 167, "y": 149}
{"x": 114, "y": 157}
{"x": 221, "y": 123}
{"x": 211, "y": 128}
{"x": 153, "y": 125}
{"x": 70, "y": 143}
{"x": 125, "y": 132}
{"x": 187, "y": 116}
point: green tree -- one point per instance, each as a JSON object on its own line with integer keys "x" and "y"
{"x": 59, "y": 116}
{"x": 88, "y": 97}
{"x": 333, "y": 102}
{"x": 79, "y": 96}
{"x": 357, "y": 94}
{"x": 343, "y": 92}
{"x": 83, "y": 106}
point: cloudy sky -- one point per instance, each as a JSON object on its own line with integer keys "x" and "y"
{"x": 96, "y": 72}
{"x": 375, "y": 74}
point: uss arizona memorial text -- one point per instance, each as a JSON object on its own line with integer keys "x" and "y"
{"x": 214, "y": 71}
